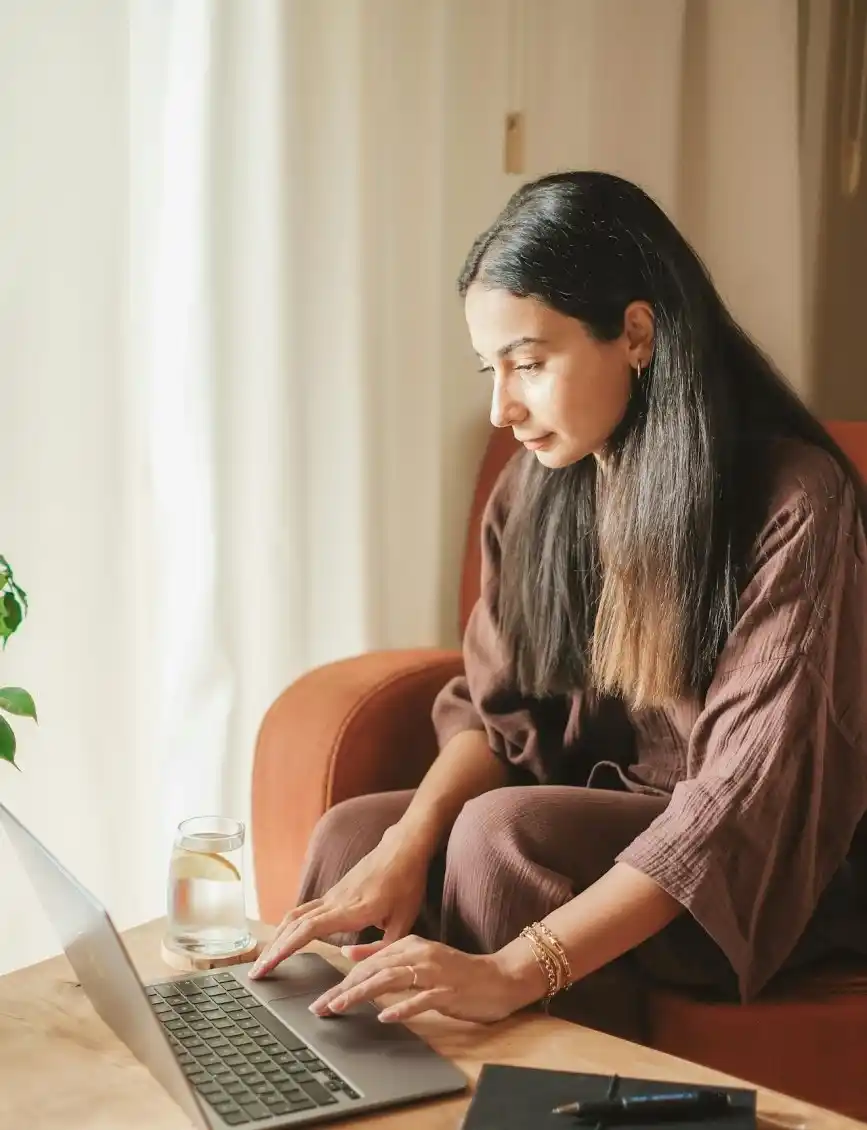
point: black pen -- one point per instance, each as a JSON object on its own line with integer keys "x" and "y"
{"x": 673, "y": 1106}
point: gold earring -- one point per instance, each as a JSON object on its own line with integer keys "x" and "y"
{"x": 638, "y": 366}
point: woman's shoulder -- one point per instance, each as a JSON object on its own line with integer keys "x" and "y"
{"x": 810, "y": 513}
{"x": 805, "y": 482}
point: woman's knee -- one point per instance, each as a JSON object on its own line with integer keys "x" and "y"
{"x": 487, "y": 824}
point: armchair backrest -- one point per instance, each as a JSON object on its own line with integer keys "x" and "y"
{"x": 851, "y": 435}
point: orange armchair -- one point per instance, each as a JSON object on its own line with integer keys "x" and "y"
{"x": 363, "y": 725}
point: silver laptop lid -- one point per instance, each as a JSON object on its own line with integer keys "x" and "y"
{"x": 102, "y": 964}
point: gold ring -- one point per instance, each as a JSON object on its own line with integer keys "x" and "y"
{"x": 414, "y": 976}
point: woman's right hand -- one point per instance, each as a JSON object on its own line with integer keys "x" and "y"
{"x": 384, "y": 889}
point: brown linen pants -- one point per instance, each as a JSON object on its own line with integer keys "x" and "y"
{"x": 514, "y": 855}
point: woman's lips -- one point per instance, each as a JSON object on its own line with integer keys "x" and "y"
{"x": 535, "y": 444}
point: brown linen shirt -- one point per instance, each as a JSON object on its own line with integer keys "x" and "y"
{"x": 767, "y": 774}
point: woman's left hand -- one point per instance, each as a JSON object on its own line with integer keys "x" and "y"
{"x": 461, "y": 985}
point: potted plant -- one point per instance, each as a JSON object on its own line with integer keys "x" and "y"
{"x": 13, "y": 700}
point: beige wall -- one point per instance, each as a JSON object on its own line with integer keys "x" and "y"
{"x": 838, "y": 357}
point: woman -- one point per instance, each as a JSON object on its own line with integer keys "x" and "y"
{"x": 660, "y": 745}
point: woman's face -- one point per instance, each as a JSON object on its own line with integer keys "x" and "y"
{"x": 560, "y": 390}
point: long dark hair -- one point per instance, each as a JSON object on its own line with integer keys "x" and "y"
{"x": 626, "y": 583}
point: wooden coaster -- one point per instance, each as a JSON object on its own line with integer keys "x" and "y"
{"x": 195, "y": 962}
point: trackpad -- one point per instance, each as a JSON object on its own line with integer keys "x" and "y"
{"x": 302, "y": 975}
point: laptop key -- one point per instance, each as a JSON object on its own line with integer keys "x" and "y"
{"x": 262, "y": 1087}
{"x": 301, "y": 1103}
{"x": 280, "y": 1108}
{"x": 278, "y": 1030}
{"x": 236, "y": 1119}
{"x": 225, "y": 1106}
{"x": 257, "y": 1057}
{"x": 223, "y": 977}
{"x": 236, "y": 1088}
{"x": 318, "y": 1093}
{"x": 256, "y": 1110}
{"x": 209, "y": 1060}
{"x": 244, "y": 998}
{"x": 244, "y": 1070}
{"x": 286, "y": 1086}
{"x": 185, "y": 987}
{"x": 272, "y": 1099}
{"x": 209, "y": 1087}
{"x": 174, "y": 998}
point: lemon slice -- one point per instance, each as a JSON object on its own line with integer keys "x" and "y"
{"x": 204, "y": 865}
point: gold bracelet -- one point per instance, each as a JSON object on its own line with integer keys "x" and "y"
{"x": 557, "y": 945}
{"x": 549, "y": 960}
{"x": 544, "y": 961}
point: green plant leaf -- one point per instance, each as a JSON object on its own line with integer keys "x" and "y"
{"x": 14, "y": 700}
{"x": 7, "y": 742}
{"x": 10, "y": 615}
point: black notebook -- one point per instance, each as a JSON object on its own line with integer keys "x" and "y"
{"x": 522, "y": 1098}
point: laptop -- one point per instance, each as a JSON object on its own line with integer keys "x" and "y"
{"x": 231, "y": 1051}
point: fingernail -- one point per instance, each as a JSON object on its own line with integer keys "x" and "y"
{"x": 346, "y": 951}
{"x": 386, "y": 1016}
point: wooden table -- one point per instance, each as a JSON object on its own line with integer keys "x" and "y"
{"x": 61, "y": 1068}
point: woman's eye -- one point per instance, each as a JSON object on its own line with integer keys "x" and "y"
{"x": 486, "y": 368}
{"x": 529, "y": 367}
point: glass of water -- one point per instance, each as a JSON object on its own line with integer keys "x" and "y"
{"x": 206, "y": 899}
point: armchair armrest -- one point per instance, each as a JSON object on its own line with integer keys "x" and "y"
{"x": 356, "y": 726}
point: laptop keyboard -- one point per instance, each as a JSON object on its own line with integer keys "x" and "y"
{"x": 240, "y": 1058}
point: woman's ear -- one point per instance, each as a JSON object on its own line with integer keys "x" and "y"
{"x": 639, "y": 326}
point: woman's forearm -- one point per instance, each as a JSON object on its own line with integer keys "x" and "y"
{"x": 465, "y": 768}
{"x": 618, "y": 912}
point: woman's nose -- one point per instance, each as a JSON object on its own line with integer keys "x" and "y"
{"x": 505, "y": 410}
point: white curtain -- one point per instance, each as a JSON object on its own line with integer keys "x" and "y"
{"x": 238, "y": 416}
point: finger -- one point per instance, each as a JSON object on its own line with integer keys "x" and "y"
{"x": 300, "y": 933}
{"x": 363, "y": 950}
{"x": 392, "y": 980}
{"x": 292, "y": 916}
{"x": 414, "y": 1005}
{"x": 288, "y": 920}
{"x": 396, "y": 958}
{"x": 278, "y": 943}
